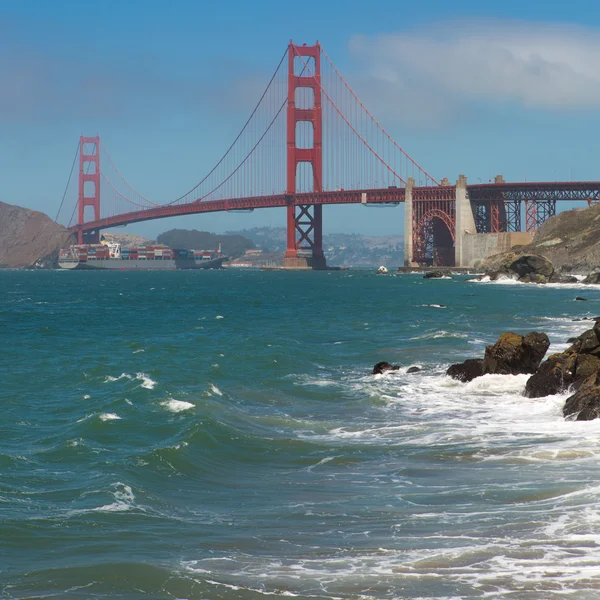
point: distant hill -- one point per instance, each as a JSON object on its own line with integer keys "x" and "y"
{"x": 341, "y": 249}
{"x": 233, "y": 245}
{"x": 127, "y": 240}
{"x": 29, "y": 238}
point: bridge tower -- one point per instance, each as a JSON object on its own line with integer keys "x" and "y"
{"x": 304, "y": 221}
{"x": 89, "y": 195}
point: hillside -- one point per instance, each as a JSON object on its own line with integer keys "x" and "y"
{"x": 571, "y": 240}
{"x": 29, "y": 238}
{"x": 341, "y": 249}
{"x": 233, "y": 245}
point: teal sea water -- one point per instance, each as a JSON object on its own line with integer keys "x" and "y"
{"x": 217, "y": 435}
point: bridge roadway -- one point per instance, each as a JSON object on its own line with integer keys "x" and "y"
{"x": 483, "y": 192}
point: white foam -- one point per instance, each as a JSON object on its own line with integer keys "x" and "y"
{"x": 110, "y": 378}
{"x": 177, "y": 406}
{"x": 219, "y": 317}
{"x": 434, "y": 335}
{"x": 109, "y": 417}
{"x": 215, "y": 390}
{"x": 124, "y": 501}
{"x": 147, "y": 383}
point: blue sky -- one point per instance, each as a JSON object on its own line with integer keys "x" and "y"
{"x": 469, "y": 87}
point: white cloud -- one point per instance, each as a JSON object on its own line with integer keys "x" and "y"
{"x": 438, "y": 70}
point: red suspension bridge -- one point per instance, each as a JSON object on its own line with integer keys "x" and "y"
{"x": 308, "y": 142}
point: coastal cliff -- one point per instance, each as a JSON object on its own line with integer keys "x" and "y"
{"x": 29, "y": 238}
{"x": 570, "y": 240}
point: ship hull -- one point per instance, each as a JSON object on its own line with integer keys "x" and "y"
{"x": 116, "y": 264}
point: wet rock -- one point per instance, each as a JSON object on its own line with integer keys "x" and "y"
{"x": 588, "y": 341}
{"x": 581, "y": 299}
{"x": 556, "y": 278}
{"x": 413, "y": 370}
{"x": 433, "y": 275}
{"x": 382, "y": 367}
{"x": 514, "y": 354}
{"x": 585, "y": 366}
{"x": 466, "y": 371}
{"x": 584, "y": 404}
{"x": 533, "y": 278}
{"x": 554, "y": 375}
{"x": 593, "y": 278}
{"x": 532, "y": 264}
{"x": 569, "y": 368}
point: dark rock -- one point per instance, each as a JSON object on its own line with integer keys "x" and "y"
{"x": 592, "y": 278}
{"x": 556, "y": 278}
{"x": 513, "y": 354}
{"x": 571, "y": 340}
{"x": 554, "y": 375}
{"x": 569, "y": 368}
{"x": 532, "y": 264}
{"x": 413, "y": 370}
{"x": 581, "y": 299}
{"x": 433, "y": 275}
{"x": 382, "y": 367}
{"x": 588, "y": 340}
{"x": 466, "y": 371}
{"x": 584, "y": 405}
{"x": 533, "y": 278}
{"x": 585, "y": 366}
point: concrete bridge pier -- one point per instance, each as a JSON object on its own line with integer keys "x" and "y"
{"x": 408, "y": 222}
{"x": 464, "y": 221}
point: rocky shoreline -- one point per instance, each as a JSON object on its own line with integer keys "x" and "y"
{"x": 576, "y": 369}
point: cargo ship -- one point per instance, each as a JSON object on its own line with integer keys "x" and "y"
{"x": 110, "y": 255}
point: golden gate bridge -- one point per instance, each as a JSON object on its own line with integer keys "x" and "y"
{"x": 308, "y": 142}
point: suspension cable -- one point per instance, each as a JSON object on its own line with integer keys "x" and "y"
{"x": 68, "y": 183}
{"x": 375, "y": 120}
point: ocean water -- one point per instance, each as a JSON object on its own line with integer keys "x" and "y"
{"x": 217, "y": 435}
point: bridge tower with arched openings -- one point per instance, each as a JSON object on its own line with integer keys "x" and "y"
{"x": 304, "y": 221}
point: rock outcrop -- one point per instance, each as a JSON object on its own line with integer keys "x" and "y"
{"x": 466, "y": 371}
{"x": 568, "y": 369}
{"x": 382, "y": 367}
{"x": 29, "y": 238}
{"x": 584, "y": 404}
{"x": 576, "y": 369}
{"x": 512, "y": 354}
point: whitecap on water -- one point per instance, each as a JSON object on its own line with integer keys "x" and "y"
{"x": 177, "y": 406}
{"x": 109, "y": 417}
{"x": 434, "y": 335}
{"x": 110, "y": 378}
{"x": 124, "y": 501}
{"x": 147, "y": 383}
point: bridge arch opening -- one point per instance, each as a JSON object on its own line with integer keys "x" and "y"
{"x": 305, "y": 181}
{"x": 304, "y": 66}
{"x": 89, "y": 189}
{"x": 304, "y": 98}
{"x": 305, "y": 135}
{"x": 434, "y": 239}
